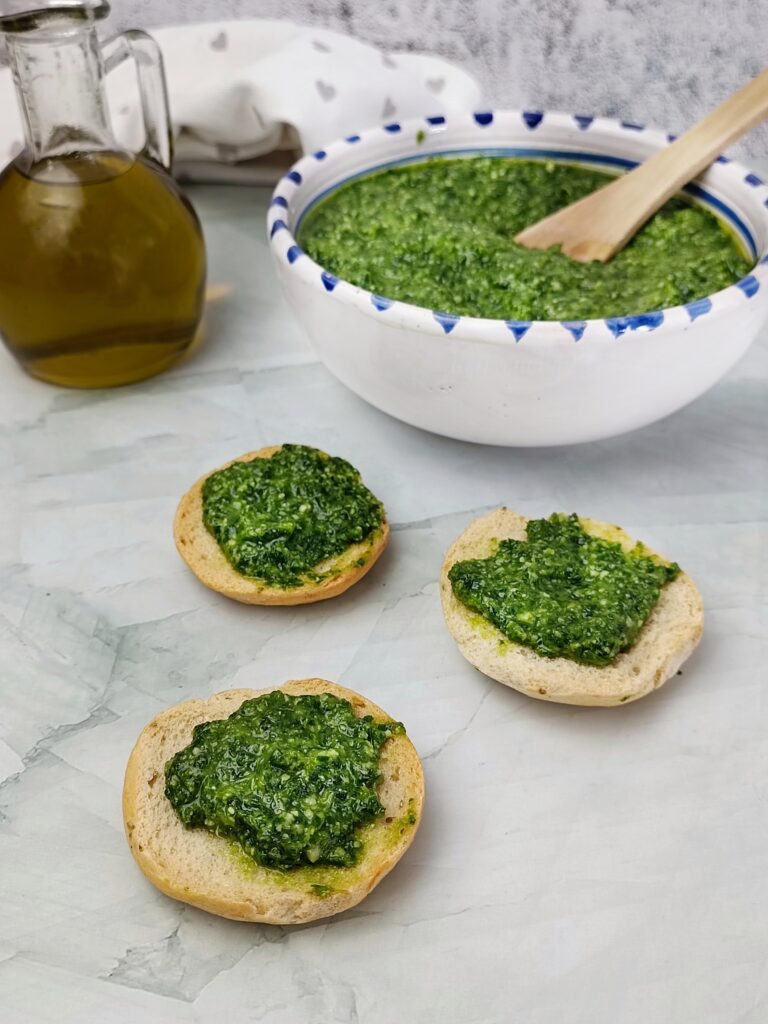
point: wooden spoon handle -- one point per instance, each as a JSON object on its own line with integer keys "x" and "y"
{"x": 667, "y": 171}
{"x": 600, "y": 224}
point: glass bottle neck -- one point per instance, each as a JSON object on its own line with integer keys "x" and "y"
{"x": 59, "y": 82}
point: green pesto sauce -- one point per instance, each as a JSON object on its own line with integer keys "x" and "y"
{"x": 563, "y": 592}
{"x": 292, "y": 779}
{"x": 277, "y": 519}
{"x": 439, "y": 234}
{"x": 321, "y": 890}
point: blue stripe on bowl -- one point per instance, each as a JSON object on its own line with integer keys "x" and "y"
{"x": 380, "y": 302}
{"x": 698, "y": 308}
{"x": 320, "y": 154}
{"x": 633, "y": 126}
{"x": 294, "y": 176}
{"x": 617, "y": 325}
{"x": 671, "y": 138}
{"x": 532, "y": 118}
{"x": 576, "y": 328}
{"x": 392, "y": 127}
{"x": 352, "y": 138}
{"x": 279, "y": 225}
{"x": 293, "y": 253}
{"x": 749, "y": 285}
{"x": 446, "y": 320}
{"x": 583, "y": 121}
{"x": 519, "y": 328}
{"x": 483, "y": 118}
{"x": 723, "y": 159}
{"x": 648, "y": 320}
{"x": 329, "y": 280}
{"x": 280, "y": 201}
{"x": 437, "y": 119}
{"x": 752, "y": 179}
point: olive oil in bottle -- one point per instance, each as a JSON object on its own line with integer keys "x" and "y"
{"x": 102, "y": 261}
{"x": 102, "y": 266}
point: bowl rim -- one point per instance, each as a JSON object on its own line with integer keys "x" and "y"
{"x": 399, "y": 314}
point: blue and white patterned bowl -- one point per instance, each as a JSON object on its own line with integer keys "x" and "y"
{"x": 519, "y": 382}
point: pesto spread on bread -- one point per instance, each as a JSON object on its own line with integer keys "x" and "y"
{"x": 277, "y": 519}
{"x": 563, "y": 592}
{"x": 440, "y": 233}
{"x": 290, "y": 778}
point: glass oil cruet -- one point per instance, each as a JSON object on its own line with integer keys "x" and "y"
{"x": 102, "y": 261}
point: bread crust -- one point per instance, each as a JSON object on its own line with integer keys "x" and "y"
{"x": 670, "y": 634}
{"x": 208, "y": 872}
{"x": 208, "y": 562}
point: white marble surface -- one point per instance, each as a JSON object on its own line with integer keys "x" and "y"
{"x": 588, "y": 866}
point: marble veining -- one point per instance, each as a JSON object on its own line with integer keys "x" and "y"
{"x": 594, "y": 866}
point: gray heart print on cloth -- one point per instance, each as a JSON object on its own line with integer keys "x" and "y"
{"x": 220, "y": 42}
{"x": 327, "y": 92}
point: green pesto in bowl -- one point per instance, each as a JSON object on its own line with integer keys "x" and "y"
{"x": 439, "y": 234}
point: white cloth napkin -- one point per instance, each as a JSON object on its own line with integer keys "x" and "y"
{"x": 248, "y": 96}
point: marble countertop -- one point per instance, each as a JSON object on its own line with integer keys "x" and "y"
{"x": 581, "y": 865}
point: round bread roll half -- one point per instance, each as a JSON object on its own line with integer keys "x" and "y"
{"x": 210, "y": 872}
{"x": 668, "y": 637}
{"x": 208, "y": 562}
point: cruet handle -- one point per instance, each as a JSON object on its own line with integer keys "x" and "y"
{"x": 153, "y": 90}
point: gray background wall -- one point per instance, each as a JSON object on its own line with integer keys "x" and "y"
{"x": 659, "y": 61}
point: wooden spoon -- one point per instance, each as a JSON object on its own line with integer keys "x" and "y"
{"x": 599, "y": 225}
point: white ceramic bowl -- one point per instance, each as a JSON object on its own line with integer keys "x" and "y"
{"x": 519, "y": 382}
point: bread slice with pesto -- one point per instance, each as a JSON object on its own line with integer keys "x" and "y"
{"x": 328, "y": 578}
{"x": 212, "y": 872}
{"x": 668, "y": 636}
